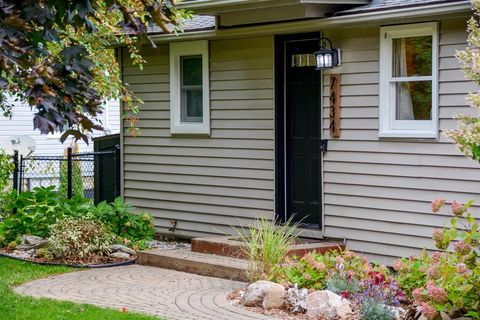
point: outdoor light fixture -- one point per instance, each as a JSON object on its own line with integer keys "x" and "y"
{"x": 327, "y": 57}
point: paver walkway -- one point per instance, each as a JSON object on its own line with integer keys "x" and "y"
{"x": 161, "y": 292}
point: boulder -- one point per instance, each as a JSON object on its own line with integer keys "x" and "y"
{"x": 120, "y": 255}
{"x": 255, "y": 292}
{"x": 31, "y": 242}
{"x": 327, "y": 304}
{"x": 122, "y": 248}
{"x": 274, "y": 298}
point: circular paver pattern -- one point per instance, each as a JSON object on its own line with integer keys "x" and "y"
{"x": 161, "y": 292}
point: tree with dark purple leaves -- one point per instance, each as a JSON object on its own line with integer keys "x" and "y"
{"x": 55, "y": 56}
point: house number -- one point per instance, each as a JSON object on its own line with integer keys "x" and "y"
{"x": 334, "y": 105}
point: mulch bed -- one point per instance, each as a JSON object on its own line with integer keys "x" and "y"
{"x": 94, "y": 261}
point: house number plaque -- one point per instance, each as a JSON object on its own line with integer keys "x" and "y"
{"x": 334, "y": 105}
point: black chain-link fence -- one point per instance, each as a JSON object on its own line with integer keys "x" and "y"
{"x": 94, "y": 175}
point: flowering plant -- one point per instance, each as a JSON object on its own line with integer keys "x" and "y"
{"x": 313, "y": 270}
{"x": 381, "y": 288}
{"x": 447, "y": 280}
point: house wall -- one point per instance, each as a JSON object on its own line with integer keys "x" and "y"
{"x": 49, "y": 145}
{"x": 205, "y": 184}
{"x": 378, "y": 192}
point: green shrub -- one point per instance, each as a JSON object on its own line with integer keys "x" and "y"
{"x": 120, "y": 219}
{"x": 6, "y": 169}
{"x": 36, "y": 211}
{"x": 39, "y": 209}
{"x": 265, "y": 247}
{"x": 372, "y": 309}
{"x": 78, "y": 239}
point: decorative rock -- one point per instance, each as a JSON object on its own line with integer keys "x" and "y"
{"x": 253, "y": 296}
{"x": 120, "y": 255}
{"x": 31, "y": 242}
{"x": 444, "y": 316}
{"x": 122, "y": 248}
{"x": 327, "y": 304}
{"x": 274, "y": 298}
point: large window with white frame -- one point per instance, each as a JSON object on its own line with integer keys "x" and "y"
{"x": 189, "y": 88}
{"x": 408, "y": 81}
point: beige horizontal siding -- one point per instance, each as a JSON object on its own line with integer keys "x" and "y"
{"x": 378, "y": 193}
{"x": 205, "y": 184}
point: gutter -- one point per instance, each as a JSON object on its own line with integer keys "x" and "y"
{"x": 463, "y": 7}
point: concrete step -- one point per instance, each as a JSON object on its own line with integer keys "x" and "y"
{"x": 183, "y": 259}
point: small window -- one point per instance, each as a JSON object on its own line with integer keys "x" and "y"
{"x": 189, "y": 94}
{"x": 408, "y": 81}
{"x": 192, "y": 91}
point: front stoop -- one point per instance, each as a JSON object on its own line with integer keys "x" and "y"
{"x": 220, "y": 257}
{"x": 193, "y": 262}
{"x": 226, "y": 246}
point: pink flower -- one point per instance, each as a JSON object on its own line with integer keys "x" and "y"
{"x": 417, "y": 294}
{"x": 462, "y": 248}
{"x": 398, "y": 265}
{"x": 437, "y": 204}
{"x": 462, "y": 268}
{"x": 437, "y": 235}
{"x": 437, "y": 294}
{"x": 320, "y": 266}
{"x": 428, "y": 311}
{"x": 433, "y": 272}
{"x": 436, "y": 256}
{"x": 457, "y": 208}
{"x": 348, "y": 254}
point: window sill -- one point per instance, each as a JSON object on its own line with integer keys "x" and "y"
{"x": 408, "y": 134}
{"x": 197, "y": 129}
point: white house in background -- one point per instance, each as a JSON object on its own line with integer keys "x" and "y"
{"x": 50, "y": 145}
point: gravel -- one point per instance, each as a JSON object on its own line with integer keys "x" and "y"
{"x": 155, "y": 244}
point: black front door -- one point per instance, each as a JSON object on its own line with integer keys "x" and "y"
{"x": 301, "y": 139}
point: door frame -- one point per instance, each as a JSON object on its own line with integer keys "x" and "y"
{"x": 280, "y": 115}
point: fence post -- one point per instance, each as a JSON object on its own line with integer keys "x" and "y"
{"x": 20, "y": 173}
{"x": 117, "y": 171}
{"x": 15, "y": 170}
{"x": 69, "y": 173}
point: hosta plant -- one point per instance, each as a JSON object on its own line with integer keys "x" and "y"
{"x": 448, "y": 280}
{"x": 118, "y": 216}
{"x": 36, "y": 211}
{"x": 78, "y": 239}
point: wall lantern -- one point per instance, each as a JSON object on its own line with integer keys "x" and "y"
{"x": 327, "y": 57}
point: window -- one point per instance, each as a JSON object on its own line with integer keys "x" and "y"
{"x": 189, "y": 88}
{"x": 408, "y": 81}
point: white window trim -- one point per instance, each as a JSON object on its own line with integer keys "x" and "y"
{"x": 388, "y": 126}
{"x": 177, "y": 50}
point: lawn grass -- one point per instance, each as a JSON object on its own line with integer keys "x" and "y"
{"x": 16, "y": 307}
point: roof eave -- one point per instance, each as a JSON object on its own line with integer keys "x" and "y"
{"x": 213, "y": 7}
{"x": 393, "y": 15}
